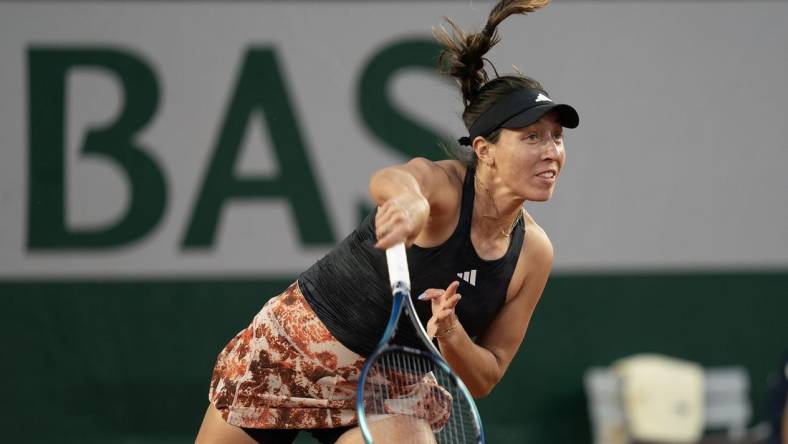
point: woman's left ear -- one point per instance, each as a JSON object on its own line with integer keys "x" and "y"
{"x": 485, "y": 151}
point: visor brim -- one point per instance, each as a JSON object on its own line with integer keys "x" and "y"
{"x": 567, "y": 116}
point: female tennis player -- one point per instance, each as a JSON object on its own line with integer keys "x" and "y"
{"x": 477, "y": 259}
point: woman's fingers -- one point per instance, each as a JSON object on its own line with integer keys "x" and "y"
{"x": 382, "y": 218}
{"x": 442, "y": 297}
{"x": 446, "y": 309}
{"x": 399, "y": 220}
{"x": 430, "y": 294}
{"x": 389, "y": 236}
{"x": 450, "y": 303}
{"x": 448, "y": 300}
{"x": 452, "y": 288}
{"x": 390, "y": 214}
{"x": 443, "y": 304}
{"x": 391, "y": 226}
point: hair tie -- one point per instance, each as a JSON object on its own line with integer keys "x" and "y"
{"x": 465, "y": 140}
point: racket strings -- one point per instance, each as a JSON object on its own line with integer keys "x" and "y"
{"x": 422, "y": 397}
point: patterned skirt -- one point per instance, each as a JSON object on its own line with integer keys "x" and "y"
{"x": 286, "y": 371}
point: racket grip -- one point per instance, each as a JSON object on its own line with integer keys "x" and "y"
{"x": 397, "y": 261}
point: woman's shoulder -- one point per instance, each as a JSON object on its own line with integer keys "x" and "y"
{"x": 454, "y": 170}
{"x": 537, "y": 246}
{"x": 449, "y": 171}
{"x": 535, "y": 261}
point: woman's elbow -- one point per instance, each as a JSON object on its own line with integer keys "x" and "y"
{"x": 480, "y": 394}
{"x": 483, "y": 389}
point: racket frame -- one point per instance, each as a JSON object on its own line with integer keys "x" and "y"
{"x": 400, "y": 288}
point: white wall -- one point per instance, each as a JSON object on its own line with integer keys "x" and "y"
{"x": 679, "y": 161}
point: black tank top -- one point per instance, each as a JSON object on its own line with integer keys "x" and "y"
{"x": 349, "y": 289}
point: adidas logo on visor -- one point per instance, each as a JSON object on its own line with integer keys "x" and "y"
{"x": 542, "y": 98}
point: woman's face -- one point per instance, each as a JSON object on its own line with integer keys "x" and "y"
{"x": 530, "y": 159}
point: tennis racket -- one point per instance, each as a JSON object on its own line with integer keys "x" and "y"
{"x": 414, "y": 391}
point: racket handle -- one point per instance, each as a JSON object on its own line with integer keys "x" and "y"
{"x": 397, "y": 261}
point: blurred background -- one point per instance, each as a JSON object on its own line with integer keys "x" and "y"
{"x": 166, "y": 167}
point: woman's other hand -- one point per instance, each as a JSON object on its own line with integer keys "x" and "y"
{"x": 443, "y": 320}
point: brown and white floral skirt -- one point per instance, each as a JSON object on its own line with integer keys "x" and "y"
{"x": 286, "y": 371}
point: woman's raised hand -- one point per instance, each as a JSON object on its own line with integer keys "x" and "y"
{"x": 401, "y": 219}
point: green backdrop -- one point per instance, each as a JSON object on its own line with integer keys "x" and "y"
{"x": 129, "y": 361}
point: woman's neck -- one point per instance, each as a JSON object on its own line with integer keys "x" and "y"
{"x": 498, "y": 208}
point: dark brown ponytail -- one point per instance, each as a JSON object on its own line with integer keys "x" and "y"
{"x": 463, "y": 54}
{"x": 463, "y": 59}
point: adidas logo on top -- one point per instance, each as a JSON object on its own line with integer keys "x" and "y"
{"x": 468, "y": 276}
